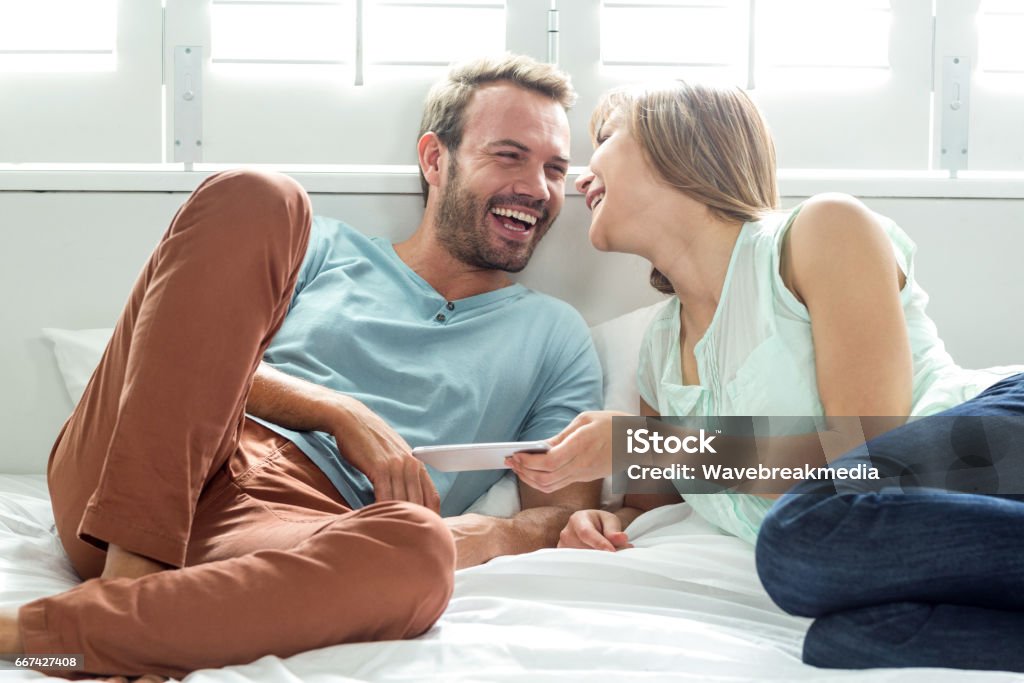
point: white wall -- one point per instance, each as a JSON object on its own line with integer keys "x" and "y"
{"x": 969, "y": 263}
{"x": 69, "y": 259}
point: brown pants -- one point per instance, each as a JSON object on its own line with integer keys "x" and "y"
{"x": 159, "y": 459}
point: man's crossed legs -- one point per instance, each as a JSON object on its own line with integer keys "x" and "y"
{"x": 159, "y": 461}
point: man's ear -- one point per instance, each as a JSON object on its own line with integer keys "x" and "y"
{"x": 431, "y": 150}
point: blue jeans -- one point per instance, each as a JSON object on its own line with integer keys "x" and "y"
{"x": 926, "y": 567}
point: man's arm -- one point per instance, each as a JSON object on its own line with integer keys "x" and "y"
{"x": 296, "y": 403}
{"x": 479, "y": 538}
{"x": 572, "y": 385}
{"x": 363, "y": 438}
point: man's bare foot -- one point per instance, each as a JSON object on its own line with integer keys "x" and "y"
{"x": 10, "y": 636}
{"x": 124, "y": 564}
{"x": 10, "y": 644}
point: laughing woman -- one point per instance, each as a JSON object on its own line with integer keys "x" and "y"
{"x": 813, "y": 312}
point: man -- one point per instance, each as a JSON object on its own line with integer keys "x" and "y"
{"x": 352, "y": 348}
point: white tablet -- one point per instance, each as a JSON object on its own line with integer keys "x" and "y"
{"x": 476, "y": 456}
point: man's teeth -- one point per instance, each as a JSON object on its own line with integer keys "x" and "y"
{"x": 518, "y": 215}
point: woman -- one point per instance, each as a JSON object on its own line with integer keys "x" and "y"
{"x": 809, "y": 312}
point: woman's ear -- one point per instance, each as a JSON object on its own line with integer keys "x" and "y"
{"x": 430, "y": 150}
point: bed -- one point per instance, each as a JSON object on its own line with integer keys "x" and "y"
{"x": 684, "y": 604}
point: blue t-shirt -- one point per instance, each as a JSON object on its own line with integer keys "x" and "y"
{"x": 511, "y": 364}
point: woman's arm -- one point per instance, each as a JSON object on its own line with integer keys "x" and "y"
{"x": 642, "y": 502}
{"x": 840, "y": 263}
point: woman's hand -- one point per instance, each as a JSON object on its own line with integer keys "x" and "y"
{"x": 595, "y": 529}
{"x": 581, "y": 452}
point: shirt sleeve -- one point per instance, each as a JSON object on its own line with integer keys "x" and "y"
{"x": 316, "y": 254}
{"x": 574, "y": 384}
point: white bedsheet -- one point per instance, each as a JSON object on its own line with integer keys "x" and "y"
{"x": 684, "y": 605}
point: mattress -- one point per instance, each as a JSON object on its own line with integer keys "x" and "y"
{"x": 684, "y": 605}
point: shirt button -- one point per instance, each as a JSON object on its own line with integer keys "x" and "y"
{"x": 440, "y": 317}
{"x": 451, "y": 306}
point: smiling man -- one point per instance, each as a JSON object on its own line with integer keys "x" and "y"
{"x": 238, "y": 475}
{"x": 498, "y": 231}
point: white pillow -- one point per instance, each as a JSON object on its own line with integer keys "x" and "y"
{"x": 78, "y": 353}
{"x": 618, "y": 346}
{"x": 501, "y": 500}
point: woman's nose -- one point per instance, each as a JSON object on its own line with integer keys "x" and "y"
{"x": 584, "y": 180}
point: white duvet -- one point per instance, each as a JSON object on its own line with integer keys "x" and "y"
{"x": 684, "y": 605}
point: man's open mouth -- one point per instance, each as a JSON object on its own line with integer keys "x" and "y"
{"x": 514, "y": 220}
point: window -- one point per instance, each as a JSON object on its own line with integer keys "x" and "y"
{"x": 987, "y": 34}
{"x": 851, "y": 85}
{"x": 334, "y": 32}
{"x": 57, "y": 35}
{"x": 706, "y": 40}
{"x": 732, "y": 39}
{"x": 432, "y": 33}
{"x": 805, "y": 62}
{"x": 807, "y": 36}
{"x": 86, "y": 77}
{"x": 283, "y": 32}
{"x": 282, "y": 83}
{"x": 1000, "y": 27}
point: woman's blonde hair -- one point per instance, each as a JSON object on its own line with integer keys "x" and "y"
{"x": 709, "y": 142}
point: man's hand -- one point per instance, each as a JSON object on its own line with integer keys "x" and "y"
{"x": 474, "y": 538}
{"x": 364, "y": 439}
{"x": 479, "y": 538}
{"x": 595, "y": 529}
{"x": 379, "y": 452}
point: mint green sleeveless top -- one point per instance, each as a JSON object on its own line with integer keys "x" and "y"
{"x": 757, "y": 357}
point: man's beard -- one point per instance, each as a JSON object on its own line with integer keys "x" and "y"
{"x": 463, "y": 227}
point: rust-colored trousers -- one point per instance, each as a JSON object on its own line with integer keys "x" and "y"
{"x": 159, "y": 459}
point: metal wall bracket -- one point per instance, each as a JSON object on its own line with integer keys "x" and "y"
{"x": 955, "y": 114}
{"x": 553, "y": 33}
{"x": 188, "y": 103}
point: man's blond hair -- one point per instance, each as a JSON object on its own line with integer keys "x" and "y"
{"x": 445, "y": 107}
